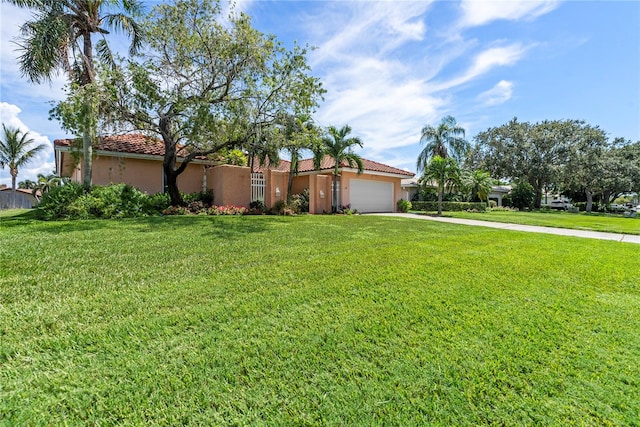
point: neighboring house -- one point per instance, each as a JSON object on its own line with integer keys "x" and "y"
{"x": 137, "y": 160}
{"x": 498, "y": 192}
{"x": 20, "y": 199}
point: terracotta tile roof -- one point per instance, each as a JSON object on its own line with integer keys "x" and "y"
{"x": 282, "y": 167}
{"x": 130, "y": 143}
{"x": 141, "y": 144}
{"x": 328, "y": 163}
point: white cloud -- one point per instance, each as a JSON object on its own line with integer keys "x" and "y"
{"x": 498, "y": 94}
{"x": 41, "y": 163}
{"x": 484, "y": 62}
{"x": 481, "y": 12}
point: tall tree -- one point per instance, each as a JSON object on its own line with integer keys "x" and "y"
{"x": 520, "y": 150}
{"x": 584, "y": 168}
{"x": 16, "y": 150}
{"x": 338, "y": 146}
{"x": 445, "y": 140}
{"x": 208, "y": 82}
{"x": 60, "y": 37}
{"x": 445, "y": 172}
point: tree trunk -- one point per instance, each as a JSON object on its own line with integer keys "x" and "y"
{"x": 440, "y": 192}
{"x": 14, "y": 175}
{"x": 589, "y": 200}
{"x": 171, "y": 178}
{"x": 538, "y": 199}
{"x": 289, "y": 185}
{"x": 334, "y": 208}
{"x": 87, "y": 158}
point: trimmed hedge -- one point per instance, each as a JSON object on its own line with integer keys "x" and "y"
{"x": 449, "y": 206}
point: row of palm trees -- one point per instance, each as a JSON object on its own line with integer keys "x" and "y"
{"x": 444, "y": 147}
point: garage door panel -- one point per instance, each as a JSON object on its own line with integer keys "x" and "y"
{"x": 371, "y": 196}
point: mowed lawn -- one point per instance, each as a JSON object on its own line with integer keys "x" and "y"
{"x": 314, "y": 320}
{"x": 580, "y": 221}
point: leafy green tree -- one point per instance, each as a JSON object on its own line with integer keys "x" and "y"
{"x": 445, "y": 140}
{"x": 585, "y": 165}
{"x": 338, "y": 146}
{"x": 446, "y": 174}
{"x": 522, "y": 195}
{"x": 478, "y": 184}
{"x": 534, "y": 152}
{"x": 16, "y": 150}
{"x": 207, "y": 83}
{"x": 60, "y": 38}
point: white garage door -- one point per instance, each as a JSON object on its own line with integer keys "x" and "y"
{"x": 371, "y": 196}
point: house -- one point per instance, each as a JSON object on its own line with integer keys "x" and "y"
{"x": 20, "y": 199}
{"x": 137, "y": 160}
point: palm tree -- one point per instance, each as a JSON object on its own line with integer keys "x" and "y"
{"x": 446, "y": 174}
{"x": 16, "y": 151}
{"x": 337, "y": 146}
{"x": 478, "y": 183}
{"x": 299, "y": 134}
{"x": 59, "y": 37}
{"x": 46, "y": 183}
{"x": 447, "y": 140}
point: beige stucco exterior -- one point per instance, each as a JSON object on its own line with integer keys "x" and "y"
{"x": 231, "y": 185}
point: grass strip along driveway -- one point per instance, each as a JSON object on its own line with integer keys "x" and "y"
{"x": 314, "y": 320}
{"x": 578, "y": 221}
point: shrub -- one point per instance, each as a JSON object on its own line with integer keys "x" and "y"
{"x": 70, "y": 201}
{"x": 175, "y": 210}
{"x": 278, "y": 207}
{"x": 206, "y": 197}
{"x": 523, "y": 195}
{"x": 226, "y": 210}
{"x": 403, "y": 205}
{"x": 56, "y": 202}
{"x": 300, "y": 202}
{"x": 156, "y": 203}
{"x": 346, "y": 210}
{"x": 503, "y": 209}
{"x": 111, "y": 201}
{"x": 450, "y": 206}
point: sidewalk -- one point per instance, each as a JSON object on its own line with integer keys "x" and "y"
{"x": 627, "y": 238}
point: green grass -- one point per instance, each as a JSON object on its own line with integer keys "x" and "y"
{"x": 579, "y": 221}
{"x": 314, "y": 320}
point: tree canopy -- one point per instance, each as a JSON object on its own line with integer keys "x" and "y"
{"x": 206, "y": 82}
{"x": 559, "y": 155}
{"x": 445, "y": 140}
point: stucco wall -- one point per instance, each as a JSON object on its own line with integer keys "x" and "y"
{"x": 275, "y": 182}
{"x": 231, "y": 185}
{"x": 144, "y": 174}
{"x": 319, "y": 194}
{"x": 299, "y": 184}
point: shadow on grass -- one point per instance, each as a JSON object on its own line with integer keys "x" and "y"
{"x": 225, "y": 227}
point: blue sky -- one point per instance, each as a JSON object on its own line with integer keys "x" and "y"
{"x": 392, "y": 67}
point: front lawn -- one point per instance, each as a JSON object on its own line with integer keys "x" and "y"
{"x": 579, "y": 221}
{"x": 314, "y": 320}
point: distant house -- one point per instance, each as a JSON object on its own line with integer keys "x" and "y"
{"x": 20, "y": 199}
{"x": 137, "y": 160}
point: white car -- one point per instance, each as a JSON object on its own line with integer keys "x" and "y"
{"x": 560, "y": 204}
